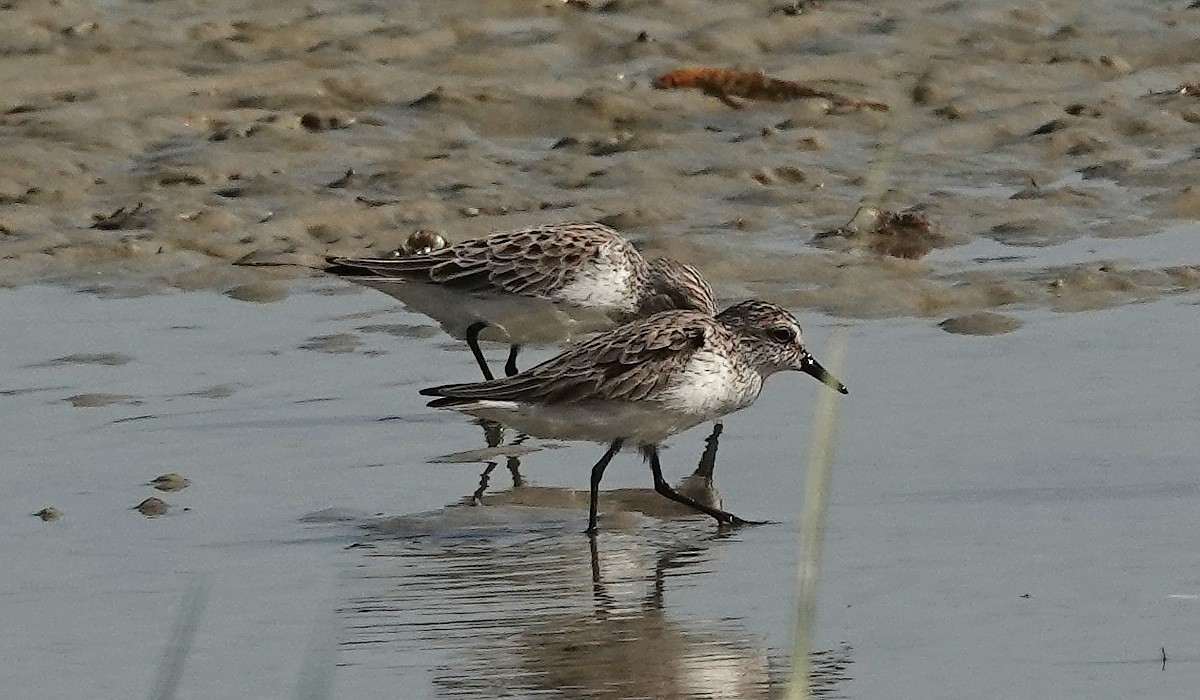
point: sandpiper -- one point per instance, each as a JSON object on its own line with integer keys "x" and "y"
{"x": 643, "y": 382}
{"x": 541, "y": 285}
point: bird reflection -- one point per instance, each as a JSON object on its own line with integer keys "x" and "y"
{"x": 489, "y": 607}
{"x": 494, "y": 435}
{"x": 629, "y": 644}
{"x": 575, "y": 617}
{"x": 626, "y": 648}
{"x": 698, "y": 485}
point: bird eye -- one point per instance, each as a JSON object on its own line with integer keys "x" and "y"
{"x": 783, "y": 334}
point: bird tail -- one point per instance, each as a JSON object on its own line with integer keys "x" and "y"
{"x": 513, "y": 388}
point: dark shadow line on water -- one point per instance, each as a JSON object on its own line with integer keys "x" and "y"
{"x": 132, "y": 419}
{"x": 183, "y": 635}
{"x": 1156, "y": 660}
{"x": 320, "y": 658}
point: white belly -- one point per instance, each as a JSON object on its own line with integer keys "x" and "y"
{"x": 710, "y": 385}
{"x": 604, "y": 284}
{"x": 520, "y": 320}
{"x": 636, "y": 424}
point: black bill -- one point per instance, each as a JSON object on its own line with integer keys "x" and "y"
{"x": 808, "y": 365}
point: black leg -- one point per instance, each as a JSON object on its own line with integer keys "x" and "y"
{"x": 477, "y": 497}
{"x": 510, "y": 367}
{"x": 708, "y": 460}
{"x": 514, "y": 463}
{"x": 595, "y": 552}
{"x": 597, "y": 475}
{"x": 664, "y": 489}
{"x": 604, "y": 601}
{"x": 514, "y": 468}
{"x": 473, "y": 332}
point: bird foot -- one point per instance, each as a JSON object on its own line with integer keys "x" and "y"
{"x": 735, "y": 521}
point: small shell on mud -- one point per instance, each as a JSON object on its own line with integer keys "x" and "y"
{"x": 422, "y": 242}
{"x": 170, "y": 481}
{"x": 49, "y": 514}
{"x": 152, "y": 507}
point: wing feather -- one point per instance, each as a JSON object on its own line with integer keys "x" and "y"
{"x": 534, "y": 261}
{"x": 625, "y": 364}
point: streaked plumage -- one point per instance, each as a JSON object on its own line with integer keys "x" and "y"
{"x": 645, "y": 381}
{"x": 544, "y": 284}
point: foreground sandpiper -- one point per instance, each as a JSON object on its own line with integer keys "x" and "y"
{"x": 540, "y": 285}
{"x": 643, "y": 382}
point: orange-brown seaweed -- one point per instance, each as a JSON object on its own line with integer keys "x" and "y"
{"x": 726, "y": 83}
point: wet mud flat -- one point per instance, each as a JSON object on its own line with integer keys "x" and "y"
{"x": 1004, "y": 520}
{"x": 160, "y": 144}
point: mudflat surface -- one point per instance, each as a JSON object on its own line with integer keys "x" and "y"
{"x": 161, "y": 143}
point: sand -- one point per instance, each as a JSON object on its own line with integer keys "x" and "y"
{"x": 149, "y": 146}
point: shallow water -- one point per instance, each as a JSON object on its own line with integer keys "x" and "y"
{"x": 971, "y": 473}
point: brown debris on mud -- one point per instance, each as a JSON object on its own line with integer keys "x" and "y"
{"x": 725, "y": 84}
{"x": 899, "y": 234}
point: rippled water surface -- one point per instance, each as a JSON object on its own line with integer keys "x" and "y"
{"x": 1010, "y": 516}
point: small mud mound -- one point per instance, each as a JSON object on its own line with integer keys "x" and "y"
{"x": 981, "y": 323}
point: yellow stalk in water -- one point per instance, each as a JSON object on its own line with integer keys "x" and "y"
{"x": 812, "y": 529}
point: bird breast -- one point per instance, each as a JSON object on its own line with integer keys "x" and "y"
{"x": 606, "y": 282}
{"x": 711, "y": 384}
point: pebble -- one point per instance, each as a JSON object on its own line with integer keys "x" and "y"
{"x": 170, "y": 482}
{"x": 49, "y": 514}
{"x": 152, "y": 507}
{"x": 423, "y": 242}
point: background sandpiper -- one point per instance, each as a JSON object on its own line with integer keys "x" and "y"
{"x": 643, "y": 382}
{"x": 544, "y": 284}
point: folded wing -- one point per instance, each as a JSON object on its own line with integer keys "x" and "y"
{"x": 625, "y": 364}
{"x": 531, "y": 262}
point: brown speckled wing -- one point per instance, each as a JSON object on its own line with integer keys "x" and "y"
{"x": 625, "y": 364}
{"x": 531, "y": 262}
